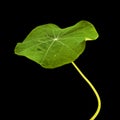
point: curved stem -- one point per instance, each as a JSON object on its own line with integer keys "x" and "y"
{"x": 94, "y": 90}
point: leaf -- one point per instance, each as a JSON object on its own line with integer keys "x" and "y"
{"x": 52, "y": 46}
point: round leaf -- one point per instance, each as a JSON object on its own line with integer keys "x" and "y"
{"x": 52, "y": 46}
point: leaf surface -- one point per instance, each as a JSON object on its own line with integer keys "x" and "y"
{"x": 52, "y": 46}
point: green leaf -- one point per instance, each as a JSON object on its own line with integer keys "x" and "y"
{"x": 52, "y": 46}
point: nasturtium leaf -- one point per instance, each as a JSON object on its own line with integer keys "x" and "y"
{"x": 52, "y": 46}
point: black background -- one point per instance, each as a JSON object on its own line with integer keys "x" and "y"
{"x": 30, "y": 91}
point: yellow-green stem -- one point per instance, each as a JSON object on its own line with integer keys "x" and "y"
{"x": 94, "y": 90}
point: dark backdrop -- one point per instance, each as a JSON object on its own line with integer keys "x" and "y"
{"x": 30, "y": 91}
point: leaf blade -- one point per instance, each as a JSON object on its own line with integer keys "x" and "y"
{"x": 51, "y": 47}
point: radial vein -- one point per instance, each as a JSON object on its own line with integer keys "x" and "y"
{"x": 47, "y": 50}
